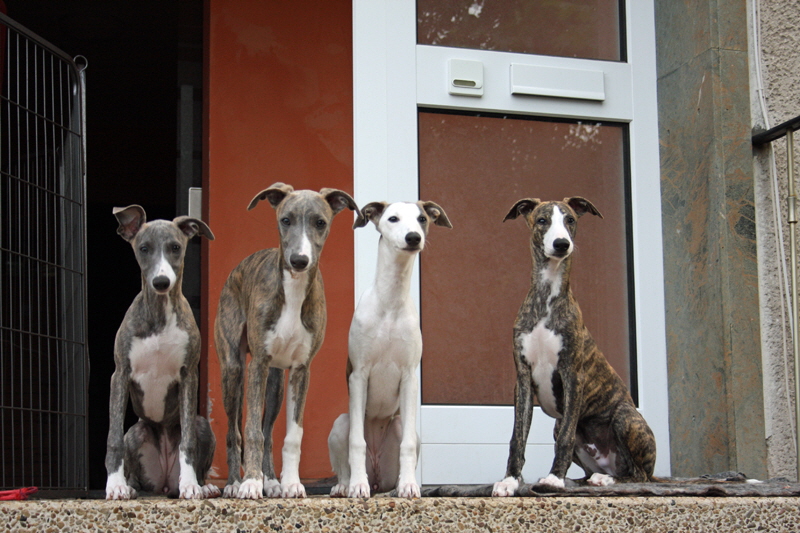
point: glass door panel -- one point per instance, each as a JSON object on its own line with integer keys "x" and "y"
{"x": 476, "y": 167}
{"x": 589, "y": 29}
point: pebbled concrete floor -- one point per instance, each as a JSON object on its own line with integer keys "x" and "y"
{"x": 552, "y": 514}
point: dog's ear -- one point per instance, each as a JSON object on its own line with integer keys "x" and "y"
{"x": 436, "y": 213}
{"x": 131, "y": 219}
{"x": 275, "y": 194}
{"x": 372, "y": 211}
{"x": 581, "y": 206}
{"x": 339, "y": 200}
{"x": 194, "y": 226}
{"x": 522, "y": 207}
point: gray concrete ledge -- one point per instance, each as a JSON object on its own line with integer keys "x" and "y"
{"x": 656, "y": 514}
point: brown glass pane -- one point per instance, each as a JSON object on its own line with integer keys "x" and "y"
{"x": 475, "y": 276}
{"x": 567, "y": 28}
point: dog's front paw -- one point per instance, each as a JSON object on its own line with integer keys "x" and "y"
{"x": 358, "y": 490}
{"x": 293, "y": 490}
{"x": 339, "y": 491}
{"x": 552, "y": 481}
{"x": 272, "y": 488}
{"x": 408, "y": 490}
{"x": 600, "y": 480}
{"x": 191, "y": 491}
{"x": 121, "y": 492}
{"x": 250, "y": 489}
{"x": 118, "y": 489}
{"x": 210, "y": 491}
{"x": 231, "y": 490}
{"x": 506, "y": 487}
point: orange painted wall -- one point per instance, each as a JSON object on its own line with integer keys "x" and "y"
{"x": 278, "y": 107}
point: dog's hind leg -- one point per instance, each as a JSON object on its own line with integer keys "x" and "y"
{"x": 206, "y": 444}
{"x": 636, "y": 445}
{"x": 230, "y": 338}
{"x": 338, "y": 449}
{"x": 272, "y": 407}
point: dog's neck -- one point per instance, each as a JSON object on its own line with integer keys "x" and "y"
{"x": 393, "y": 274}
{"x": 549, "y": 279}
{"x": 157, "y": 307}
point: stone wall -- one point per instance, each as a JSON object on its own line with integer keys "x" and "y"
{"x": 775, "y": 98}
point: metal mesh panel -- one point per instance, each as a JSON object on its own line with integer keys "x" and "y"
{"x": 43, "y": 350}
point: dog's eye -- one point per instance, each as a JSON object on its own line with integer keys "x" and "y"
{"x": 321, "y": 223}
{"x": 285, "y": 221}
{"x": 176, "y": 248}
{"x": 144, "y": 249}
{"x": 421, "y": 219}
{"x": 541, "y": 220}
{"x": 393, "y": 219}
{"x": 570, "y": 220}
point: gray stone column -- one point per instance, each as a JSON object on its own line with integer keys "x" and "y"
{"x": 711, "y": 270}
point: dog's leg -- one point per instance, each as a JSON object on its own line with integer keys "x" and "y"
{"x": 117, "y": 487}
{"x": 257, "y": 374}
{"x": 295, "y": 405}
{"x": 231, "y": 346}
{"x": 636, "y": 447}
{"x": 357, "y": 456}
{"x": 407, "y": 486}
{"x": 338, "y": 450}
{"x": 189, "y": 484}
{"x": 206, "y": 444}
{"x": 272, "y": 407}
{"x": 565, "y": 431}
{"x": 523, "y": 413}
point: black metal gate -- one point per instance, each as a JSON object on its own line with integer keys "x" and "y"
{"x": 43, "y": 349}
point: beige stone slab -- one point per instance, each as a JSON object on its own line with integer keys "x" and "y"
{"x": 389, "y": 514}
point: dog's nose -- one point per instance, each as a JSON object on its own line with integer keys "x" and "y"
{"x": 413, "y": 238}
{"x": 299, "y": 262}
{"x": 161, "y": 283}
{"x": 561, "y": 245}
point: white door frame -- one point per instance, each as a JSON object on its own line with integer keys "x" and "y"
{"x": 392, "y": 75}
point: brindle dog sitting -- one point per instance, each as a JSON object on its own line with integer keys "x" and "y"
{"x": 556, "y": 358}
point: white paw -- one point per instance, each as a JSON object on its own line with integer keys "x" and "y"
{"x": 120, "y": 492}
{"x": 507, "y": 487}
{"x": 210, "y": 491}
{"x": 358, "y": 490}
{"x": 552, "y": 481}
{"x": 272, "y": 488}
{"x": 293, "y": 490}
{"x": 250, "y": 489}
{"x": 408, "y": 490}
{"x": 339, "y": 491}
{"x": 231, "y": 490}
{"x": 191, "y": 491}
{"x": 600, "y": 480}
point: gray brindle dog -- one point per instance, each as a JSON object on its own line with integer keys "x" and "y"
{"x": 157, "y": 349}
{"x": 598, "y": 426}
{"x": 273, "y": 306}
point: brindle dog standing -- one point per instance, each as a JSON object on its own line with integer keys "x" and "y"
{"x": 273, "y": 306}
{"x": 598, "y": 426}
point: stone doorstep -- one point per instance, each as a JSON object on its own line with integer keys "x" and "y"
{"x": 552, "y": 514}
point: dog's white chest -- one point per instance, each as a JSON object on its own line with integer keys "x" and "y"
{"x": 540, "y": 348}
{"x": 288, "y": 341}
{"x": 156, "y": 363}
